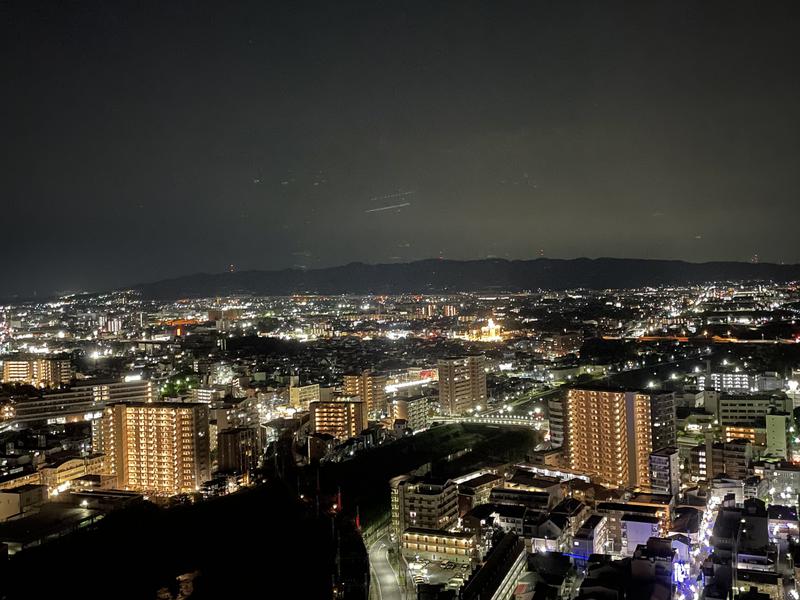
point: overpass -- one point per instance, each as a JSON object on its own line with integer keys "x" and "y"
{"x": 497, "y": 419}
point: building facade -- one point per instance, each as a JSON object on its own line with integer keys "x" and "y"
{"x": 84, "y": 401}
{"x": 662, "y": 416}
{"x": 370, "y": 386}
{"x": 555, "y": 416}
{"x": 343, "y": 418}
{"x": 38, "y": 371}
{"x": 462, "y": 384}
{"x": 413, "y": 410}
{"x": 301, "y": 396}
{"x": 160, "y": 448}
{"x": 610, "y": 436}
{"x": 238, "y": 450}
{"x": 665, "y": 474}
{"x": 459, "y": 547}
{"x": 422, "y": 504}
{"x": 777, "y": 437}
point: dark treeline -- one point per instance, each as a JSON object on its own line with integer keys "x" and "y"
{"x": 246, "y": 545}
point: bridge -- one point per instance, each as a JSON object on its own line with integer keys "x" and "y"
{"x": 537, "y": 424}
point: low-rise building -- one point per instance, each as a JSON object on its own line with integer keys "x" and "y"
{"x": 636, "y": 530}
{"x": 479, "y": 489}
{"x": 458, "y": 547}
{"x": 591, "y": 538}
{"x": 19, "y": 500}
{"x": 52, "y": 521}
{"x": 653, "y": 561}
{"x": 498, "y": 575}
{"x": 58, "y": 473}
{"x": 622, "y": 514}
{"x": 422, "y": 503}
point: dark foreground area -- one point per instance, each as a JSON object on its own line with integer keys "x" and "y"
{"x": 262, "y": 542}
{"x": 258, "y": 543}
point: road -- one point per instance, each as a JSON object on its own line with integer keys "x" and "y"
{"x": 519, "y": 404}
{"x": 387, "y": 583}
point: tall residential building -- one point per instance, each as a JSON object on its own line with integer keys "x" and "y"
{"x": 422, "y": 503}
{"x": 700, "y": 457}
{"x": 238, "y": 450}
{"x": 610, "y": 436}
{"x": 665, "y": 474}
{"x": 301, "y": 396}
{"x": 370, "y": 386}
{"x": 38, "y": 371}
{"x": 413, "y": 410}
{"x": 342, "y": 418}
{"x": 462, "y": 383}
{"x": 732, "y": 383}
{"x": 450, "y": 310}
{"x": 662, "y": 416}
{"x": 160, "y": 448}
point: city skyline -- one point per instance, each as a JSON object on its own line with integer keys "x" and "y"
{"x": 474, "y": 436}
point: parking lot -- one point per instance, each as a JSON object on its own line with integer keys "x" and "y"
{"x": 434, "y": 572}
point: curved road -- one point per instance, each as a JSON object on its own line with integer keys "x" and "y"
{"x": 387, "y": 583}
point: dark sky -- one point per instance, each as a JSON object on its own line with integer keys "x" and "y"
{"x": 142, "y": 140}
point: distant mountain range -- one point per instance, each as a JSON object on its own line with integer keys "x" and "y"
{"x": 434, "y": 275}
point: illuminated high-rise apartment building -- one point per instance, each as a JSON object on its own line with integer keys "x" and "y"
{"x": 160, "y": 448}
{"x": 343, "y": 418}
{"x": 610, "y": 435}
{"x": 370, "y": 386}
{"x": 462, "y": 383}
{"x": 38, "y": 371}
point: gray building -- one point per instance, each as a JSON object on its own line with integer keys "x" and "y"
{"x": 665, "y": 475}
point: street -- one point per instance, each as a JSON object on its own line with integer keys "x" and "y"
{"x": 385, "y": 578}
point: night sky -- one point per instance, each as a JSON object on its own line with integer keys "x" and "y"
{"x": 143, "y": 140}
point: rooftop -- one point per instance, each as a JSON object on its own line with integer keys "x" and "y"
{"x": 52, "y": 520}
{"x": 641, "y": 519}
